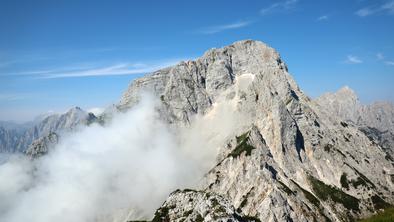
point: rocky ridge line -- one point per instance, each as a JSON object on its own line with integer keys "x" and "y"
{"x": 289, "y": 161}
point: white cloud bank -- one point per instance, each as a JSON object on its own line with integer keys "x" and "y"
{"x": 221, "y": 28}
{"x": 100, "y": 173}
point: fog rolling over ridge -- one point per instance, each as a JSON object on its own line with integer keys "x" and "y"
{"x": 99, "y": 173}
{"x": 233, "y": 127}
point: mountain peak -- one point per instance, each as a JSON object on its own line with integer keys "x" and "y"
{"x": 344, "y": 95}
{"x": 246, "y": 47}
{"x": 347, "y": 91}
{"x": 75, "y": 108}
{"x": 214, "y": 72}
{"x": 76, "y": 111}
{"x": 277, "y": 155}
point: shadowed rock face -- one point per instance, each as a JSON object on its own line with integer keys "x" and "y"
{"x": 290, "y": 159}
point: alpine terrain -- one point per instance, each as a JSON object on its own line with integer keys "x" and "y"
{"x": 26, "y": 137}
{"x": 280, "y": 156}
{"x": 290, "y": 158}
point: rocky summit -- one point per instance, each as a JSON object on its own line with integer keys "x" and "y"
{"x": 290, "y": 158}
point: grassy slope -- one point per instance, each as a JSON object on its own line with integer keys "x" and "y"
{"x": 386, "y": 216}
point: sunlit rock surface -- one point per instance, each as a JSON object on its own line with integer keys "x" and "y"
{"x": 291, "y": 159}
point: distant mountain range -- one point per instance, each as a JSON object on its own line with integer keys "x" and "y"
{"x": 287, "y": 157}
{"x": 375, "y": 120}
{"x": 18, "y": 137}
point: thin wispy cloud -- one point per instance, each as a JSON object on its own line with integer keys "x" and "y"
{"x": 387, "y": 7}
{"x": 59, "y": 69}
{"x": 221, "y": 28}
{"x": 118, "y": 69}
{"x": 365, "y": 12}
{"x": 390, "y": 63}
{"x": 351, "y": 59}
{"x": 110, "y": 70}
{"x": 382, "y": 58}
{"x": 379, "y": 56}
{"x": 323, "y": 18}
{"x": 279, "y": 6}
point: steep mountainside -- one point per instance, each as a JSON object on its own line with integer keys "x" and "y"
{"x": 375, "y": 120}
{"x": 18, "y": 140}
{"x": 288, "y": 160}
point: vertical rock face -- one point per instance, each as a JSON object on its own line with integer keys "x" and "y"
{"x": 12, "y": 140}
{"x": 192, "y": 87}
{"x": 289, "y": 161}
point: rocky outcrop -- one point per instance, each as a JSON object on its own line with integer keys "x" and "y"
{"x": 42, "y": 145}
{"x": 13, "y": 140}
{"x": 287, "y": 160}
{"x": 192, "y": 87}
{"x": 191, "y": 205}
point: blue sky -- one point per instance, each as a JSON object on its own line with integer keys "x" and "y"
{"x": 58, "y": 54}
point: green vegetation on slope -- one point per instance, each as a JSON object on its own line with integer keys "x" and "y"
{"x": 242, "y": 146}
{"x": 385, "y": 216}
{"x": 379, "y": 203}
{"x": 344, "y": 181}
{"x": 359, "y": 181}
{"x": 308, "y": 195}
{"x": 325, "y": 192}
{"x": 285, "y": 188}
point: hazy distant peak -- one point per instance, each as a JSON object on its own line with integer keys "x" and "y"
{"x": 346, "y": 91}
{"x": 345, "y": 104}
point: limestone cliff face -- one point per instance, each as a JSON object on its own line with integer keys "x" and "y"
{"x": 192, "y": 87}
{"x": 289, "y": 160}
